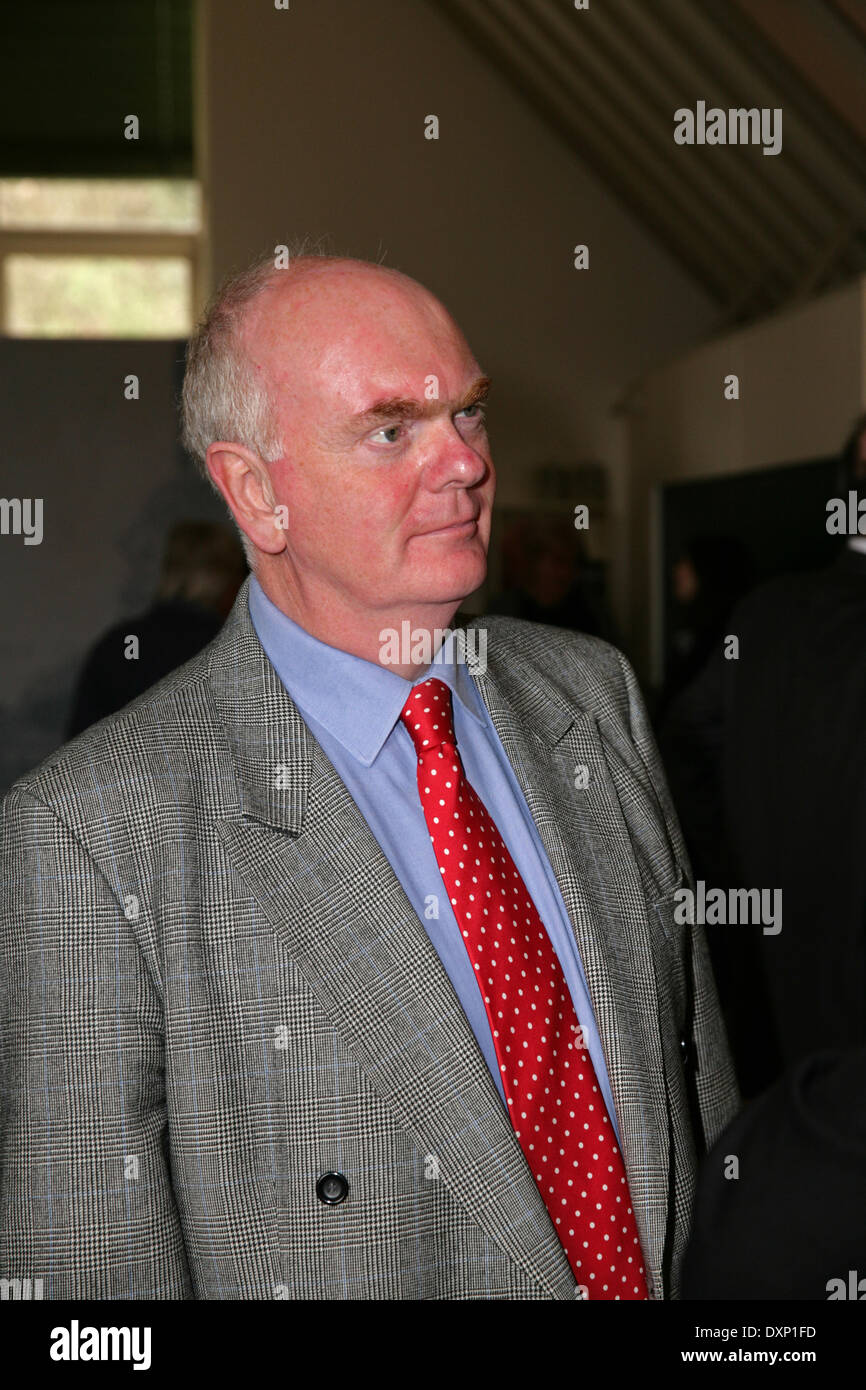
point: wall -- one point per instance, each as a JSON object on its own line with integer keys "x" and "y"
{"x": 111, "y": 481}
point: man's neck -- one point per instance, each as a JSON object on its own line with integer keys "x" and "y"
{"x": 401, "y": 640}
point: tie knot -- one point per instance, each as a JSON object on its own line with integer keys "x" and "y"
{"x": 428, "y": 717}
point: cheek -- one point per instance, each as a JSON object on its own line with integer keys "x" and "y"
{"x": 381, "y": 502}
{"x": 318, "y": 501}
{"x": 361, "y": 512}
{"x": 394, "y": 499}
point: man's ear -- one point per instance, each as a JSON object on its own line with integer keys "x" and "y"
{"x": 245, "y": 483}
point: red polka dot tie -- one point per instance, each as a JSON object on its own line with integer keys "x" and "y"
{"x": 554, "y": 1101}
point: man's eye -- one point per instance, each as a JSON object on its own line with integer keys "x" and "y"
{"x": 389, "y": 430}
{"x": 478, "y": 408}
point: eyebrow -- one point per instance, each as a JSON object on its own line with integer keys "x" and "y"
{"x": 400, "y": 408}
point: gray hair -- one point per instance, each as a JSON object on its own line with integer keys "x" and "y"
{"x": 222, "y": 397}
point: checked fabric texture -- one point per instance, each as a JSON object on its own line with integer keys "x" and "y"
{"x": 554, "y": 1101}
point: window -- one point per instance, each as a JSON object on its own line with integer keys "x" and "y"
{"x": 99, "y": 209}
{"x": 99, "y": 258}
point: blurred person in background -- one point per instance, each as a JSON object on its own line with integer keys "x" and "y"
{"x": 790, "y": 1222}
{"x": 766, "y": 757}
{"x": 709, "y": 576}
{"x": 547, "y": 579}
{"x": 202, "y": 569}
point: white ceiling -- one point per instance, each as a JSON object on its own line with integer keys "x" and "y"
{"x": 757, "y": 231}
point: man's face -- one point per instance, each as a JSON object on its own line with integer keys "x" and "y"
{"x": 387, "y": 474}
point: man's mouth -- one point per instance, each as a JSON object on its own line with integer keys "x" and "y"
{"x": 456, "y": 528}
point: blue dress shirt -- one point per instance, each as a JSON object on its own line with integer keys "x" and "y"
{"x": 352, "y": 708}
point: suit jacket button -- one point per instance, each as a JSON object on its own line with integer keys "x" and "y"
{"x": 685, "y": 1050}
{"x": 332, "y": 1188}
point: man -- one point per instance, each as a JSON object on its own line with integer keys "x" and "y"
{"x": 252, "y": 1044}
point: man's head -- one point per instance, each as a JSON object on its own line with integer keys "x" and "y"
{"x": 338, "y": 409}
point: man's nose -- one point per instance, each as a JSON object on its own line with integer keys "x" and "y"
{"x": 452, "y": 458}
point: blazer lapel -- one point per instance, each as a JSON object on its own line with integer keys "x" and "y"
{"x": 301, "y": 844}
{"x": 589, "y": 848}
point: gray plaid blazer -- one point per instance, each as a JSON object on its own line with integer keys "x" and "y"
{"x": 214, "y": 991}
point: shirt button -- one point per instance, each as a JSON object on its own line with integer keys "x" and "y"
{"x": 332, "y": 1188}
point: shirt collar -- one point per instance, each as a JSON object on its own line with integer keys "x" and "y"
{"x": 358, "y": 702}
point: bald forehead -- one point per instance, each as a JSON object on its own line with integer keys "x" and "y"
{"x": 340, "y": 335}
{"x": 313, "y": 289}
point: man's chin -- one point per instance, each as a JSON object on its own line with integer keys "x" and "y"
{"x": 452, "y": 582}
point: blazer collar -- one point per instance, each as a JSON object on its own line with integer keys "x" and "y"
{"x": 272, "y": 746}
{"x": 357, "y": 702}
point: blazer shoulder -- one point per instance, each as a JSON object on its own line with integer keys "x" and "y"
{"x": 153, "y": 737}
{"x": 577, "y": 665}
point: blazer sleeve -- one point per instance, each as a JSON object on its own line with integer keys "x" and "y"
{"x": 713, "y": 1078}
{"x": 86, "y": 1201}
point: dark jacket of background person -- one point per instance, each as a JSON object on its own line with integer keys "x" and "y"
{"x": 201, "y": 571}
{"x": 794, "y": 1218}
{"x": 766, "y": 757}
